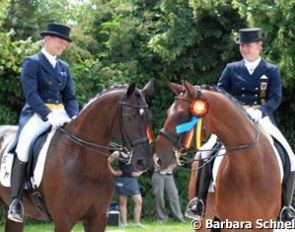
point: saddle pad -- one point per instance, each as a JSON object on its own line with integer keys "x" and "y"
{"x": 220, "y": 156}
{"x": 7, "y": 161}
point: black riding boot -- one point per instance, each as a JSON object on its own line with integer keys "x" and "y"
{"x": 287, "y": 212}
{"x": 196, "y": 207}
{"x": 16, "y": 209}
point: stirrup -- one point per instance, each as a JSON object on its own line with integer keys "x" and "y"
{"x": 14, "y": 216}
{"x": 285, "y": 208}
{"x": 191, "y": 209}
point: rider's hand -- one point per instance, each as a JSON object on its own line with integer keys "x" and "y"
{"x": 57, "y": 120}
{"x": 255, "y": 115}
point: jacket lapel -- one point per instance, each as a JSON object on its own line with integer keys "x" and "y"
{"x": 242, "y": 70}
{"x": 260, "y": 70}
{"x": 46, "y": 65}
{"x": 244, "y": 73}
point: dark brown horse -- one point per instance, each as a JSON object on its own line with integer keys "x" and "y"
{"x": 77, "y": 184}
{"x": 248, "y": 184}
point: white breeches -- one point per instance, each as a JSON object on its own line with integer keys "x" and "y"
{"x": 33, "y": 128}
{"x": 267, "y": 126}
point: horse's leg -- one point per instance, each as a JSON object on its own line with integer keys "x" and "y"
{"x": 11, "y": 226}
{"x": 96, "y": 223}
{"x": 62, "y": 228}
{"x": 60, "y": 225}
{"x": 96, "y": 219}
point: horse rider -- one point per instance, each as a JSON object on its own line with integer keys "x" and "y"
{"x": 50, "y": 101}
{"x": 256, "y": 84}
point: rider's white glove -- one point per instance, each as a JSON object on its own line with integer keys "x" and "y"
{"x": 255, "y": 115}
{"x": 57, "y": 120}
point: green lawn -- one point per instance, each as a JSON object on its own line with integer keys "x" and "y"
{"x": 153, "y": 226}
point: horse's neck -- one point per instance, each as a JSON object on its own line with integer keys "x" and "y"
{"x": 94, "y": 124}
{"x": 234, "y": 129}
{"x": 89, "y": 158}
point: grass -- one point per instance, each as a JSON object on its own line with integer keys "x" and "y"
{"x": 169, "y": 226}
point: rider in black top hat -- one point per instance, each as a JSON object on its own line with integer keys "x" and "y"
{"x": 50, "y": 102}
{"x": 256, "y": 84}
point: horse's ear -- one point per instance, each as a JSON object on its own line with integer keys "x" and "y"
{"x": 176, "y": 88}
{"x": 130, "y": 89}
{"x": 149, "y": 88}
{"x": 191, "y": 91}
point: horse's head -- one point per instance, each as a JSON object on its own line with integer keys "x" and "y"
{"x": 188, "y": 106}
{"x": 133, "y": 125}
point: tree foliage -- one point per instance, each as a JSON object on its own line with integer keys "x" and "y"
{"x": 124, "y": 41}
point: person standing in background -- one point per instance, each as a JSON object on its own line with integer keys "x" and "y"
{"x": 163, "y": 183}
{"x": 126, "y": 185}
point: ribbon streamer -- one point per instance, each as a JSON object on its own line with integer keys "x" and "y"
{"x": 187, "y": 126}
{"x": 199, "y": 133}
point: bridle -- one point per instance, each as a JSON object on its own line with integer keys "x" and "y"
{"x": 180, "y": 152}
{"x": 126, "y": 147}
{"x": 128, "y": 144}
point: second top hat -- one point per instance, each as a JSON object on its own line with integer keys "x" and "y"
{"x": 57, "y": 30}
{"x": 249, "y": 35}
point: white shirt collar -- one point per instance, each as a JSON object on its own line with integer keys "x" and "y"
{"x": 252, "y": 65}
{"x": 50, "y": 58}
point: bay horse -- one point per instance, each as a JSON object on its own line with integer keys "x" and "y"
{"x": 248, "y": 182}
{"x": 77, "y": 184}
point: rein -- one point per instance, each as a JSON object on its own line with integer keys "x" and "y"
{"x": 175, "y": 140}
{"x": 93, "y": 146}
{"x": 126, "y": 149}
{"x": 180, "y": 151}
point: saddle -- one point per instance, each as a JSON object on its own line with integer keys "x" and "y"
{"x": 34, "y": 171}
{"x": 34, "y": 151}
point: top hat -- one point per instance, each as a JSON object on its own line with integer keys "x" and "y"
{"x": 57, "y": 30}
{"x": 249, "y": 35}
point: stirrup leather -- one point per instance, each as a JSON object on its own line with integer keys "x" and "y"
{"x": 191, "y": 208}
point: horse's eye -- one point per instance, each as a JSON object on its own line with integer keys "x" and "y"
{"x": 128, "y": 117}
{"x": 182, "y": 117}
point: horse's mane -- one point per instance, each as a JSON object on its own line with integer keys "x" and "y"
{"x": 230, "y": 97}
{"x": 111, "y": 88}
{"x": 105, "y": 91}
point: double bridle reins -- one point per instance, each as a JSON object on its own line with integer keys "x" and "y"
{"x": 180, "y": 151}
{"x": 126, "y": 148}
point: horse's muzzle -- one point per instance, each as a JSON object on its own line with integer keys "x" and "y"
{"x": 142, "y": 164}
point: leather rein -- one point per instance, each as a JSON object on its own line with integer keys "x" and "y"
{"x": 126, "y": 147}
{"x": 181, "y": 152}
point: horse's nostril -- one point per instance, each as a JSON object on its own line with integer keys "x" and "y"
{"x": 142, "y": 164}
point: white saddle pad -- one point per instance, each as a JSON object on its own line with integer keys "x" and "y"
{"x": 7, "y": 161}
